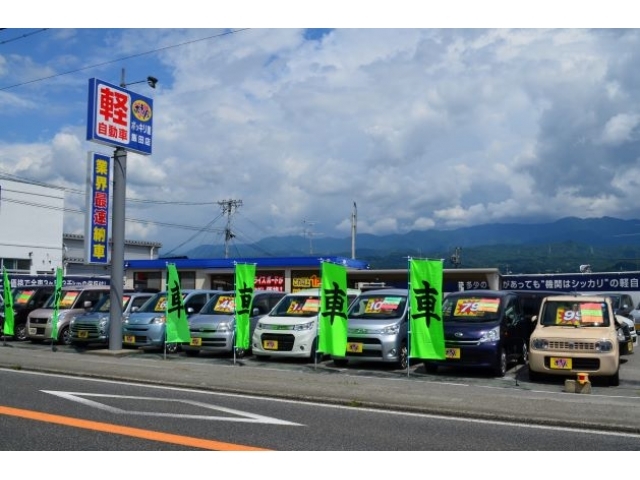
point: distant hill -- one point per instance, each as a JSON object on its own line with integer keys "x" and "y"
{"x": 607, "y": 244}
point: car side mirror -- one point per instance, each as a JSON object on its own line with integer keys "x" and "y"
{"x": 87, "y": 304}
{"x": 534, "y": 319}
{"x": 134, "y": 309}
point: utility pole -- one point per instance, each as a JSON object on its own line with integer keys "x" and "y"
{"x": 354, "y": 222}
{"x": 228, "y": 208}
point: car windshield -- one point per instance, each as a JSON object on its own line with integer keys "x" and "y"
{"x": 297, "y": 306}
{"x": 22, "y": 297}
{"x": 157, "y": 303}
{"x": 223, "y": 304}
{"x": 471, "y": 309}
{"x": 104, "y": 306}
{"x": 377, "y": 307}
{"x": 67, "y": 299}
{"x": 575, "y": 313}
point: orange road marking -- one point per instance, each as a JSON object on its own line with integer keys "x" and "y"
{"x": 129, "y": 431}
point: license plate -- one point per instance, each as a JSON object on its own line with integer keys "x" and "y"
{"x": 33, "y": 331}
{"x": 83, "y": 334}
{"x": 453, "y": 353}
{"x": 270, "y": 344}
{"x": 196, "y": 342}
{"x": 129, "y": 339}
{"x": 353, "y": 347}
{"x": 560, "y": 363}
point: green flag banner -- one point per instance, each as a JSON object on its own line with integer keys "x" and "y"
{"x": 176, "y": 314}
{"x": 56, "y": 304}
{"x": 8, "y": 304}
{"x": 245, "y": 279}
{"x": 332, "y": 314}
{"x": 425, "y": 321}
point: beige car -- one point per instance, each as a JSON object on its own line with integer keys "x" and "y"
{"x": 575, "y": 334}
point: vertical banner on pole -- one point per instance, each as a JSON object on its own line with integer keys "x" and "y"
{"x": 7, "y": 329}
{"x": 425, "y": 296}
{"x": 245, "y": 275}
{"x": 56, "y": 305}
{"x": 176, "y": 314}
{"x": 332, "y": 315}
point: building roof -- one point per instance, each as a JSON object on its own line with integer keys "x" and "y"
{"x": 229, "y": 263}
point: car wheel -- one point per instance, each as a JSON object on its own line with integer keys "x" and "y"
{"x": 313, "y": 354}
{"x": 20, "y": 332}
{"x": 524, "y": 355}
{"x": 431, "y": 368}
{"x": 171, "y": 347}
{"x": 500, "y": 369}
{"x": 64, "y": 336}
{"x": 614, "y": 380}
{"x": 403, "y": 357}
{"x": 340, "y": 362}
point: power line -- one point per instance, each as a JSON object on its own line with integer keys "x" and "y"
{"x": 121, "y": 59}
{"x": 22, "y": 36}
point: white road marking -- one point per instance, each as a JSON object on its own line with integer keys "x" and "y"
{"x": 238, "y": 415}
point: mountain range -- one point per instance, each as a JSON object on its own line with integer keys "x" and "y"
{"x": 606, "y": 243}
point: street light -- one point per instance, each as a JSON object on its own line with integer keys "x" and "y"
{"x": 117, "y": 237}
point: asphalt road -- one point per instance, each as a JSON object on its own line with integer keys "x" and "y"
{"x": 459, "y": 394}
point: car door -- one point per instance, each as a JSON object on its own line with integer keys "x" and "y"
{"x": 514, "y": 328}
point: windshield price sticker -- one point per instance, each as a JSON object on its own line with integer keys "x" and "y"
{"x": 68, "y": 299}
{"x": 225, "y": 304}
{"x": 476, "y": 306}
{"x": 382, "y": 305}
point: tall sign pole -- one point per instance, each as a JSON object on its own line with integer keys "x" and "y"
{"x": 117, "y": 251}
{"x": 122, "y": 119}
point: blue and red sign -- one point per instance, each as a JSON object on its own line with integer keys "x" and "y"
{"x": 119, "y": 117}
{"x": 97, "y": 219}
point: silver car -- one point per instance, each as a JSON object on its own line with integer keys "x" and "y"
{"x": 213, "y": 328}
{"x": 377, "y": 328}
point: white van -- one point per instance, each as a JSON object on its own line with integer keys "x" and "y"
{"x": 291, "y": 328}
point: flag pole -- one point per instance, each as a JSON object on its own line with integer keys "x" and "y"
{"x": 409, "y": 319}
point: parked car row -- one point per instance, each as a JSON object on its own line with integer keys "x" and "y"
{"x": 555, "y": 333}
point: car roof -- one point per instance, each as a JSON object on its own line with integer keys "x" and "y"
{"x": 485, "y": 292}
{"x": 386, "y": 291}
{"x": 316, "y": 291}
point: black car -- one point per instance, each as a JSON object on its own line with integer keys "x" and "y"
{"x": 25, "y": 300}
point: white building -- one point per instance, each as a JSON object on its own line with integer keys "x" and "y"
{"x": 31, "y": 223}
{"x": 32, "y": 241}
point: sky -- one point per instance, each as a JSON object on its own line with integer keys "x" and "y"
{"x": 407, "y": 120}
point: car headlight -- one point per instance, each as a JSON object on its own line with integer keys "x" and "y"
{"x": 103, "y": 322}
{"x": 161, "y": 319}
{"x": 225, "y": 327}
{"x": 390, "y": 330}
{"x": 539, "y": 344}
{"x": 604, "y": 346}
{"x": 260, "y": 326}
{"x": 492, "y": 335}
{"x": 304, "y": 326}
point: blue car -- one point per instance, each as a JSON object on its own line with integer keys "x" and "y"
{"x": 146, "y": 328}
